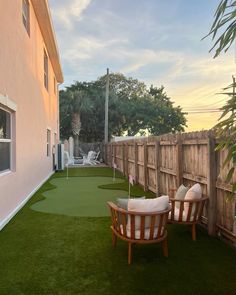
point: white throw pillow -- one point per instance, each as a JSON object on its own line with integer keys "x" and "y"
{"x": 194, "y": 193}
{"x": 180, "y": 194}
{"x": 147, "y": 205}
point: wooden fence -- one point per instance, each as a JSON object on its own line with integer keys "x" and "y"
{"x": 164, "y": 162}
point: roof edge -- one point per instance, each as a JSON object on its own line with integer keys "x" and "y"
{"x": 43, "y": 15}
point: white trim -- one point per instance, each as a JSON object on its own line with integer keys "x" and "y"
{"x": 5, "y": 172}
{"x": 8, "y": 140}
{"x": 5, "y": 221}
{"x": 5, "y": 140}
{"x": 7, "y": 102}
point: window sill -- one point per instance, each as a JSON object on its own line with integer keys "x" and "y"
{"x": 5, "y": 173}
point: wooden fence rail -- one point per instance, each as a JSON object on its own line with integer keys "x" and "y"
{"x": 164, "y": 162}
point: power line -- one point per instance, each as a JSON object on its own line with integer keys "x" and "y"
{"x": 203, "y": 111}
{"x": 205, "y": 106}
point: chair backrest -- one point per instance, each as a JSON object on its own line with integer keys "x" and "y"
{"x": 192, "y": 214}
{"x": 97, "y": 155}
{"x": 120, "y": 216}
{"x": 91, "y": 155}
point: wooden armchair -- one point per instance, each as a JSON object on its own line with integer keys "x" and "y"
{"x": 132, "y": 227}
{"x": 189, "y": 211}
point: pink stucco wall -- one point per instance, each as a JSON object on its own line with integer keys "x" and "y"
{"x": 21, "y": 79}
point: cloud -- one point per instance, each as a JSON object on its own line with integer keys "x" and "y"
{"x": 65, "y": 14}
{"x": 144, "y": 44}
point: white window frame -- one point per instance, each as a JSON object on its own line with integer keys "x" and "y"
{"x": 4, "y": 140}
{"x": 55, "y": 138}
{"x": 49, "y": 142}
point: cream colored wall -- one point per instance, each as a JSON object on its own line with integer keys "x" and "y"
{"x": 21, "y": 78}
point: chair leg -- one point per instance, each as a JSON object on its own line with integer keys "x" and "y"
{"x": 114, "y": 239}
{"x": 194, "y": 232}
{"x": 129, "y": 253}
{"x": 165, "y": 248}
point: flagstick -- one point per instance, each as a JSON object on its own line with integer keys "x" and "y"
{"x": 114, "y": 174}
{"x": 67, "y": 172}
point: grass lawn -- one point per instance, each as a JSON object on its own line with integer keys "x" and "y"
{"x": 55, "y": 250}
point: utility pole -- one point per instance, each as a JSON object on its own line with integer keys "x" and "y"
{"x": 106, "y": 108}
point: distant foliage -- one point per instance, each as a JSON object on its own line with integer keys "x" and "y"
{"x": 133, "y": 109}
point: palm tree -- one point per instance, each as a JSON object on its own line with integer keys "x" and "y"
{"x": 225, "y": 23}
{"x": 225, "y": 18}
{"x": 79, "y": 104}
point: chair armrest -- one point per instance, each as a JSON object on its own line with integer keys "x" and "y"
{"x": 172, "y": 192}
{"x": 173, "y": 200}
{"x": 116, "y": 208}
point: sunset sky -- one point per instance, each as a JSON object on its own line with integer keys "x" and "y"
{"x": 155, "y": 41}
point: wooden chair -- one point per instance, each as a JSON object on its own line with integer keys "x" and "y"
{"x": 130, "y": 227}
{"x": 190, "y": 216}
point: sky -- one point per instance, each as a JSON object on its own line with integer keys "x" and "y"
{"x": 156, "y": 41}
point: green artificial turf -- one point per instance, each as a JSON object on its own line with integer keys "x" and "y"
{"x": 44, "y": 253}
{"x": 79, "y": 196}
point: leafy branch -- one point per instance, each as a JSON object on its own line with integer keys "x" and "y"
{"x": 226, "y": 132}
{"x": 224, "y": 18}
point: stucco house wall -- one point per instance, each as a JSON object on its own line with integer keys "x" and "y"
{"x": 34, "y": 108}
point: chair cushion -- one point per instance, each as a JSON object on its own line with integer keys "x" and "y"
{"x": 147, "y": 206}
{"x": 194, "y": 193}
{"x": 138, "y": 233}
{"x": 123, "y": 202}
{"x": 180, "y": 194}
{"x": 184, "y": 216}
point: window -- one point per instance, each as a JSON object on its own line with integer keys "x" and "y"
{"x": 26, "y": 15}
{"x": 45, "y": 70}
{"x": 48, "y": 143}
{"x": 5, "y": 140}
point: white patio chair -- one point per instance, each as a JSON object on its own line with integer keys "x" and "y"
{"x": 90, "y": 158}
{"x": 95, "y": 161}
{"x": 68, "y": 160}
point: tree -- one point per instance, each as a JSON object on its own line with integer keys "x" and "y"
{"x": 139, "y": 109}
{"x": 133, "y": 109}
{"x": 73, "y": 103}
{"x": 166, "y": 117}
{"x": 226, "y": 132}
{"x": 225, "y": 17}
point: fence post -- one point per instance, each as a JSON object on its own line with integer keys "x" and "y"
{"x": 158, "y": 159}
{"x": 211, "y": 185}
{"x": 145, "y": 166}
{"x": 114, "y": 159}
{"x": 136, "y": 161}
{"x": 179, "y": 161}
{"x": 125, "y": 159}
